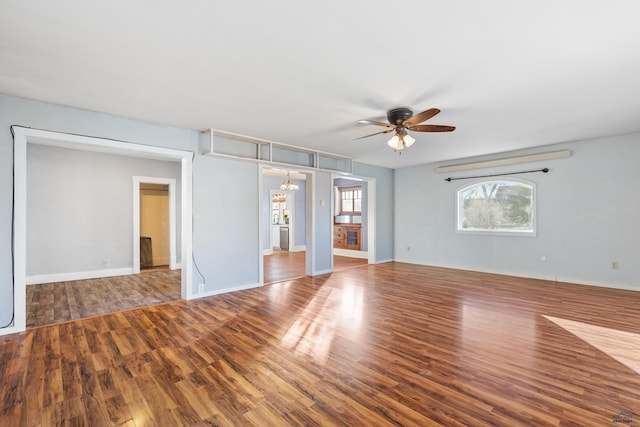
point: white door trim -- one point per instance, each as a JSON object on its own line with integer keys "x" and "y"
{"x": 24, "y": 136}
{"x": 371, "y": 219}
{"x": 371, "y": 215}
{"x": 137, "y": 180}
{"x": 309, "y": 220}
{"x": 291, "y": 200}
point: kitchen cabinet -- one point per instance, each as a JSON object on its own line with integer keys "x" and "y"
{"x": 347, "y": 236}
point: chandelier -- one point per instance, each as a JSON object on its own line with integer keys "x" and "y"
{"x": 288, "y": 185}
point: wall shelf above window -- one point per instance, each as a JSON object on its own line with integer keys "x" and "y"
{"x": 241, "y": 147}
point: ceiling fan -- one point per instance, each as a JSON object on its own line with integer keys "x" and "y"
{"x": 401, "y": 120}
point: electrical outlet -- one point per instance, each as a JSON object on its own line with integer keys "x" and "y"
{"x": 614, "y": 265}
{"x": 200, "y": 288}
{"x": 106, "y": 263}
{"x": 543, "y": 258}
{"x": 408, "y": 248}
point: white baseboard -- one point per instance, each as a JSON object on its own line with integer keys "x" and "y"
{"x": 225, "y": 290}
{"x": 300, "y": 248}
{"x": 350, "y": 253}
{"x": 162, "y": 261}
{"x": 318, "y": 273}
{"x": 79, "y": 275}
{"x": 561, "y": 279}
{"x": 10, "y": 330}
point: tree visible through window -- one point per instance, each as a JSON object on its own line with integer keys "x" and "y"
{"x": 500, "y": 206}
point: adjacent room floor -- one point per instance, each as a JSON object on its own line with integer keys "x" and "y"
{"x": 289, "y": 265}
{"x": 58, "y": 302}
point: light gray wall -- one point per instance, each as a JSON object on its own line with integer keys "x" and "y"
{"x": 588, "y": 208}
{"x": 301, "y": 213}
{"x": 225, "y": 222}
{"x": 80, "y": 205}
{"x": 225, "y": 241}
{"x": 323, "y": 227}
{"x": 384, "y": 199}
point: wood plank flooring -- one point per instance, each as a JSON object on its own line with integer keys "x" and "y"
{"x": 390, "y": 344}
{"x": 58, "y": 302}
{"x": 289, "y": 265}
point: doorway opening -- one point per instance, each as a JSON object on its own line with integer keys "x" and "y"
{"x": 282, "y": 221}
{"x": 25, "y": 136}
{"x": 284, "y": 225}
{"x": 154, "y": 223}
{"x": 154, "y": 227}
{"x": 353, "y": 239}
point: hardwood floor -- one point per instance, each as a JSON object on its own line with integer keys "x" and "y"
{"x": 389, "y": 344}
{"x": 58, "y": 302}
{"x": 342, "y": 262}
{"x": 283, "y": 265}
{"x": 290, "y": 265}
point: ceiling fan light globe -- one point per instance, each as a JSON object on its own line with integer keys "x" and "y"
{"x": 394, "y": 142}
{"x": 408, "y": 140}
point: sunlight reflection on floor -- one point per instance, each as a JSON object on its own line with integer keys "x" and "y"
{"x": 315, "y": 329}
{"x": 621, "y": 345}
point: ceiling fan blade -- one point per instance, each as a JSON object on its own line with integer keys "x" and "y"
{"x": 420, "y": 117}
{"x": 377, "y": 133}
{"x": 372, "y": 122}
{"x": 432, "y": 128}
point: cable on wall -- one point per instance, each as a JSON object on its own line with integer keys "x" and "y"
{"x": 545, "y": 170}
{"x": 193, "y": 222}
{"x": 13, "y": 218}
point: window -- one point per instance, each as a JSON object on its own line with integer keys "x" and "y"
{"x": 350, "y": 200}
{"x": 497, "y": 207}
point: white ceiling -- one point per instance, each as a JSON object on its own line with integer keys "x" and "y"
{"x": 508, "y": 74}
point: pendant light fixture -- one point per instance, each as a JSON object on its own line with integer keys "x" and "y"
{"x": 288, "y": 185}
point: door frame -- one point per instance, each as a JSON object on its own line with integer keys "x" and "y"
{"x": 371, "y": 212}
{"x": 171, "y": 183}
{"x": 290, "y": 200}
{"x": 310, "y": 269}
{"x": 23, "y": 136}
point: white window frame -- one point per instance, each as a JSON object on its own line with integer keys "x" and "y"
{"x": 532, "y": 232}
{"x": 353, "y": 189}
